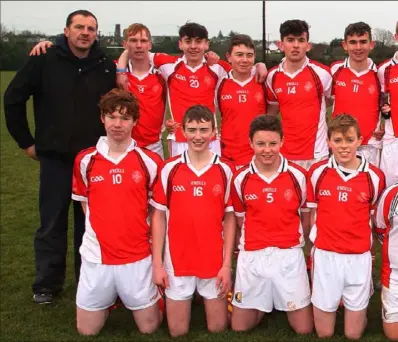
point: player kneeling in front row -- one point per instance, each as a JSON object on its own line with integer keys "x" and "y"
{"x": 194, "y": 215}
{"x": 342, "y": 190}
{"x": 267, "y": 196}
{"x": 113, "y": 181}
{"x": 386, "y": 220}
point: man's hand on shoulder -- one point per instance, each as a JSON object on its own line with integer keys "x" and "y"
{"x": 212, "y": 58}
{"x": 261, "y": 72}
{"x": 40, "y": 48}
{"x": 31, "y": 152}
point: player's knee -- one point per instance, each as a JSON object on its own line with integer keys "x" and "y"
{"x": 85, "y": 330}
{"x": 217, "y": 326}
{"x": 178, "y": 331}
{"x": 391, "y": 334}
{"x": 324, "y": 333}
{"x": 304, "y": 329}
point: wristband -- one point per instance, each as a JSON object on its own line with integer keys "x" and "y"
{"x": 121, "y": 69}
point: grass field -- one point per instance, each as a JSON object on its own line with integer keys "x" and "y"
{"x": 21, "y": 320}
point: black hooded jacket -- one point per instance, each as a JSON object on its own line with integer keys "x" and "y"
{"x": 66, "y": 92}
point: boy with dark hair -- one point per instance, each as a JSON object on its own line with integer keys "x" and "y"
{"x": 116, "y": 250}
{"x": 346, "y": 186}
{"x": 268, "y": 195}
{"x": 197, "y": 245}
{"x": 240, "y": 99}
{"x": 356, "y": 89}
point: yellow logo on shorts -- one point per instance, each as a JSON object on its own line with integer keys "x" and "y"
{"x": 238, "y": 297}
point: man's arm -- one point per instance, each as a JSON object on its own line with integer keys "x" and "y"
{"x": 24, "y": 84}
{"x": 272, "y": 109}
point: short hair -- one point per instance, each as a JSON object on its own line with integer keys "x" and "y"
{"x": 118, "y": 100}
{"x": 342, "y": 123}
{"x": 198, "y": 113}
{"x": 193, "y": 30}
{"x": 294, "y": 27}
{"x": 241, "y": 39}
{"x": 136, "y": 28}
{"x": 265, "y": 123}
{"x": 84, "y": 13}
{"x": 357, "y": 29}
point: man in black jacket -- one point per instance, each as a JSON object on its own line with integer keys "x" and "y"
{"x": 66, "y": 83}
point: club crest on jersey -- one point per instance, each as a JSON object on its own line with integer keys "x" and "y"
{"x": 207, "y": 80}
{"x": 217, "y": 190}
{"x": 141, "y": 88}
{"x": 137, "y": 176}
{"x": 258, "y": 96}
{"x": 308, "y": 86}
{"x": 155, "y": 88}
{"x": 372, "y": 89}
{"x": 288, "y": 194}
{"x": 363, "y": 197}
{"x": 238, "y": 297}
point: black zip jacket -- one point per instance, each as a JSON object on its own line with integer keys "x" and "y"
{"x": 66, "y": 92}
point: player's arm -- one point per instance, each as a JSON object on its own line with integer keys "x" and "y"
{"x": 84, "y": 207}
{"x": 272, "y": 109}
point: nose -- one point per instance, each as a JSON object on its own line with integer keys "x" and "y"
{"x": 139, "y": 43}
{"x": 118, "y": 122}
{"x": 197, "y": 134}
{"x": 85, "y": 30}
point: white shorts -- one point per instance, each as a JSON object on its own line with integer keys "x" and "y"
{"x": 272, "y": 277}
{"x": 370, "y": 153}
{"x": 389, "y": 301}
{"x": 338, "y": 276}
{"x": 389, "y": 161}
{"x": 183, "y": 288}
{"x": 156, "y": 147}
{"x": 177, "y": 148}
{"x": 306, "y": 164}
{"x": 99, "y": 285}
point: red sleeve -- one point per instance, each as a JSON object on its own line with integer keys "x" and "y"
{"x": 225, "y": 65}
{"x": 160, "y": 59}
{"x": 237, "y": 202}
{"x": 311, "y": 200}
{"x": 79, "y": 187}
{"x": 270, "y": 95}
{"x": 159, "y": 200}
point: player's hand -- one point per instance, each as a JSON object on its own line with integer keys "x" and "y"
{"x": 261, "y": 73}
{"x": 40, "y": 48}
{"x": 385, "y": 108}
{"x": 378, "y": 134}
{"x": 31, "y": 152}
{"x": 211, "y": 58}
{"x": 122, "y": 81}
{"x": 160, "y": 277}
{"x": 223, "y": 281}
{"x": 171, "y": 126}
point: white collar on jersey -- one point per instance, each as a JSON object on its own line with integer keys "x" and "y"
{"x": 281, "y": 69}
{"x": 395, "y": 58}
{"x": 371, "y": 66}
{"x": 283, "y": 167}
{"x": 242, "y": 84}
{"x": 103, "y": 148}
{"x": 363, "y": 167}
{"x": 185, "y": 160}
{"x": 150, "y": 71}
{"x": 184, "y": 59}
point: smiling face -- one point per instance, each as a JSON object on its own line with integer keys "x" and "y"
{"x": 194, "y": 48}
{"x": 241, "y": 59}
{"x": 81, "y": 33}
{"x": 344, "y": 147}
{"x": 358, "y": 47}
{"x": 295, "y": 47}
{"x": 266, "y": 146}
{"x": 199, "y": 135}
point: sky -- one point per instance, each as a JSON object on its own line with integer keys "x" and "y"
{"x": 327, "y": 19}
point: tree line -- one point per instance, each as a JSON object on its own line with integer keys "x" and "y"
{"x": 15, "y": 47}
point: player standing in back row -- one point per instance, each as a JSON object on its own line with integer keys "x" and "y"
{"x": 356, "y": 89}
{"x": 343, "y": 191}
{"x": 298, "y": 88}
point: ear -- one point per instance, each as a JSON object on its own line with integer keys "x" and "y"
{"x": 360, "y": 141}
{"x": 282, "y": 141}
{"x": 251, "y": 144}
{"x": 372, "y": 44}
{"x": 125, "y": 44}
{"x": 328, "y": 142}
{"x": 280, "y": 45}
{"x": 180, "y": 44}
{"x": 207, "y": 45}
{"x": 102, "y": 118}
{"x": 344, "y": 45}
{"x": 396, "y": 37}
{"x": 228, "y": 57}
{"x": 66, "y": 32}
{"x": 150, "y": 45}
{"x": 309, "y": 47}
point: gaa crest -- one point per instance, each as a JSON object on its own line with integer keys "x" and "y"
{"x": 308, "y": 86}
{"x": 137, "y": 176}
{"x": 288, "y": 194}
{"x": 217, "y": 190}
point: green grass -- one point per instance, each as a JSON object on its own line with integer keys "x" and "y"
{"x": 21, "y": 320}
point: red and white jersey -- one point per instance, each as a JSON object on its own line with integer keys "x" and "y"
{"x": 189, "y": 86}
{"x": 117, "y": 194}
{"x": 239, "y": 103}
{"x": 301, "y": 99}
{"x": 195, "y": 203}
{"x": 270, "y": 206}
{"x": 357, "y": 94}
{"x": 151, "y": 92}
{"x": 386, "y": 220}
{"x": 343, "y": 200}
{"x": 388, "y": 77}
